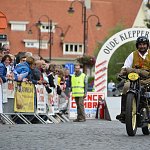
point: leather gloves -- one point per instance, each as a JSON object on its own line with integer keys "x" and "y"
{"x": 141, "y": 72}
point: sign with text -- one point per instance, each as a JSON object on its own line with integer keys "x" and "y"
{"x": 90, "y": 105}
{"x": 41, "y": 101}
{"x": 24, "y": 98}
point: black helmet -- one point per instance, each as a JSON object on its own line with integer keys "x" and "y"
{"x": 142, "y": 39}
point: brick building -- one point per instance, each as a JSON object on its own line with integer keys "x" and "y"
{"x": 23, "y": 15}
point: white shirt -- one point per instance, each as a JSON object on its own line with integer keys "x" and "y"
{"x": 129, "y": 60}
{"x": 111, "y": 86}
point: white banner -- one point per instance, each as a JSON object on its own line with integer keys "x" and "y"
{"x": 50, "y": 102}
{"x": 4, "y": 91}
{"x": 11, "y": 89}
{"x": 46, "y": 102}
{"x": 41, "y": 98}
{"x": 90, "y": 105}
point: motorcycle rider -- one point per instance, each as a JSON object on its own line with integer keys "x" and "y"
{"x": 138, "y": 61}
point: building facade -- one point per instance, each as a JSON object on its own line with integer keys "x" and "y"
{"x": 37, "y": 25}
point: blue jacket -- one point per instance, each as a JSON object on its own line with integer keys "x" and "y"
{"x": 34, "y": 75}
{"x": 22, "y": 69}
{"x": 3, "y": 72}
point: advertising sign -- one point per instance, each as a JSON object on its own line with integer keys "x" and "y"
{"x": 90, "y": 105}
{"x": 24, "y": 98}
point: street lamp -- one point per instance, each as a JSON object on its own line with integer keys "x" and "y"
{"x": 50, "y": 34}
{"x": 62, "y": 35}
{"x": 38, "y": 25}
{"x": 84, "y": 21}
{"x": 50, "y": 26}
{"x": 98, "y": 26}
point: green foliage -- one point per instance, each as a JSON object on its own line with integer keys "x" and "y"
{"x": 119, "y": 56}
{"x": 117, "y": 60}
{"x": 87, "y": 60}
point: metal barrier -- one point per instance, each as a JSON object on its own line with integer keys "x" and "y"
{"x": 11, "y": 114}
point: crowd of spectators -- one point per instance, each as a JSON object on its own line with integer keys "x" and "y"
{"x": 33, "y": 69}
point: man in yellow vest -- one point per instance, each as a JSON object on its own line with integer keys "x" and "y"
{"x": 79, "y": 90}
{"x": 138, "y": 61}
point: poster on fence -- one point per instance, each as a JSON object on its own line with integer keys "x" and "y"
{"x": 90, "y": 105}
{"x": 41, "y": 99}
{"x": 24, "y": 97}
{"x": 45, "y": 101}
{"x": 8, "y": 90}
{"x": 50, "y": 102}
{"x": 11, "y": 89}
{"x": 4, "y": 91}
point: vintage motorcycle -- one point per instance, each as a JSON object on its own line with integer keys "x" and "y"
{"x": 137, "y": 106}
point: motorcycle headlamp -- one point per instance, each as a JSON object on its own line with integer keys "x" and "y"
{"x": 133, "y": 76}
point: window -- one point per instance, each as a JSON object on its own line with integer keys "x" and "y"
{"x": 18, "y": 25}
{"x": 45, "y": 27}
{"x": 73, "y": 49}
{"x": 35, "y": 44}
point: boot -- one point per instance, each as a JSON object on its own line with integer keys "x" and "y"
{"x": 121, "y": 117}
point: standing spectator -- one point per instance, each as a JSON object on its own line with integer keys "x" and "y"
{"x": 79, "y": 91}
{"x": 22, "y": 70}
{"x": 1, "y": 56}
{"x": 51, "y": 75}
{"x": 111, "y": 86}
{"x": 5, "y": 69}
{"x": 35, "y": 75}
{"x": 68, "y": 82}
{"x": 19, "y": 56}
{"x": 5, "y": 50}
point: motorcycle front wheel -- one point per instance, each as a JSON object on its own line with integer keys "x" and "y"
{"x": 130, "y": 119}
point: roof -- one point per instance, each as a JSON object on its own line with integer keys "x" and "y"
{"x": 110, "y": 12}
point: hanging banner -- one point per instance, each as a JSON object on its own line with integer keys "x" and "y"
{"x": 56, "y": 101}
{"x": 11, "y": 89}
{"x": 45, "y": 100}
{"x": 90, "y": 105}
{"x": 4, "y": 91}
{"x": 41, "y": 100}
{"x": 24, "y": 97}
{"x": 8, "y": 90}
{"x": 50, "y": 102}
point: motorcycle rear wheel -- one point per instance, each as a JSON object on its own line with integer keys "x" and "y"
{"x": 146, "y": 130}
{"x": 130, "y": 119}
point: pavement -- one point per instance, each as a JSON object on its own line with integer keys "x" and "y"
{"x": 90, "y": 135}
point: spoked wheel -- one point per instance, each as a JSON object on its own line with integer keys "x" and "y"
{"x": 146, "y": 130}
{"x": 131, "y": 123}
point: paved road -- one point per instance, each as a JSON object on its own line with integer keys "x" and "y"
{"x": 89, "y": 135}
